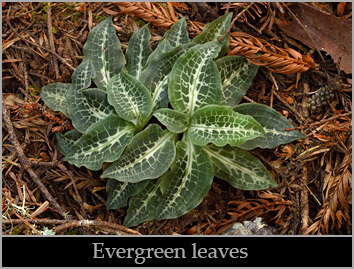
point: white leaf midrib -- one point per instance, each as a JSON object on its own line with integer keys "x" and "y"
{"x": 110, "y": 139}
{"x": 185, "y": 178}
{"x": 158, "y": 144}
{"x": 229, "y": 163}
{"x": 193, "y": 92}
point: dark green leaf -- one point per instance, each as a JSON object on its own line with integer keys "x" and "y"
{"x": 130, "y": 98}
{"x": 220, "y": 125}
{"x": 142, "y": 207}
{"x": 195, "y": 80}
{"x": 274, "y": 125}
{"x": 55, "y": 96}
{"x": 148, "y": 156}
{"x": 240, "y": 168}
{"x": 138, "y": 51}
{"x": 104, "y": 49}
{"x": 186, "y": 184}
{"x": 66, "y": 141}
{"x": 119, "y": 192}
{"x": 236, "y": 77}
{"x": 155, "y": 76}
{"x": 175, "y": 121}
{"x": 103, "y": 142}
{"x": 214, "y": 30}
{"x": 83, "y": 108}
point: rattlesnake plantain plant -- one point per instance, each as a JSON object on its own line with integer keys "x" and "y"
{"x": 166, "y": 169}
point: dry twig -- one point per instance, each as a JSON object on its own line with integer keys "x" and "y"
{"x": 25, "y": 163}
{"x": 310, "y": 125}
{"x": 51, "y": 38}
{"x": 304, "y": 202}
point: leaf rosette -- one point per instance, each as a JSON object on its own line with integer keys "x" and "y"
{"x": 162, "y": 167}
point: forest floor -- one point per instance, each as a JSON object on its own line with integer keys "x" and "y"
{"x": 303, "y": 47}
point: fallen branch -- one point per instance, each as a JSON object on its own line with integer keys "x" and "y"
{"x": 67, "y": 224}
{"x": 34, "y": 221}
{"x": 102, "y": 225}
{"x": 51, "y": 38}
{"x": 305, "y": 210}
{"x": 26, "y": 165}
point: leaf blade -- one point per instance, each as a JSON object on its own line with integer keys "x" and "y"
{"x": 119, "y": 192}
{"x": 155, "y": 76}
{"x": 273, "y": 123}
{"x": 103, "y": 142}
{"x": 220, "y": 125}
{"x": 194, "y": 80}
{"x": 55, "y": 96}
{"x": 186, "y": 183}
{"x": 129, "y": 97}
{"x": 97, "y": 102}
{"x": 138, "y": 51}
{"x": 66, "y": 141}
{"x": 148, "y": 156}
{"x": 142, "y": 207}
{"x": 81, "y": 111}
{"x": 175, "y": 36}
{"x": 236, "y": 75}
{"x": 104, "y": 49}
{"x": 175, "y": 121}
{"x": 239, "y": 168}
{"x": 215, "y": 29}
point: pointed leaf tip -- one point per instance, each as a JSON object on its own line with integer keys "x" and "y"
{"x": 104, "y": 49}
{"x": 274, "y": 125}
{"x": 195, "y": 80}
{"x": 239, "y": 168}
{"x": 175, "y": 121}
{"x": 138, "y": 51}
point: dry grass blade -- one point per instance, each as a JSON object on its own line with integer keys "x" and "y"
{"x": 260, "y": 52}
{"x": 155, "y": 13}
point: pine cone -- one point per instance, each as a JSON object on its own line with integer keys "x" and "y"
{"x": 320, "y": 99}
